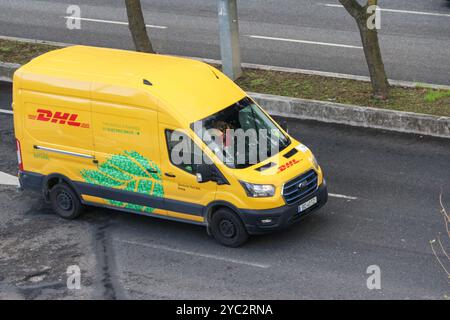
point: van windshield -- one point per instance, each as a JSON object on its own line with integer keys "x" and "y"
{"x": 241, "y": 135}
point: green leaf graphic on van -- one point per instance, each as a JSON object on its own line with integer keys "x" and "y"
{"x": 128, "y": 171}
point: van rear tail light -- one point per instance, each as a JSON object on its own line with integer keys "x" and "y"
{"x": 19, "y": 155}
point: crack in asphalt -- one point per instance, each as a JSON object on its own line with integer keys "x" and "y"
{"x": 106, "y": 264}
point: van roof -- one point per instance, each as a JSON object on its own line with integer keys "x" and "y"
{"x": 189, "y": 89}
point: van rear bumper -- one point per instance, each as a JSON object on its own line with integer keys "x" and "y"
{"x": 31, "y": 181}
{"x": 282, "y": 217}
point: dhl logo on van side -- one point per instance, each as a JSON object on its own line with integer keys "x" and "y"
{"x": 58, "y": 117}
{"x": 287, "y": 165}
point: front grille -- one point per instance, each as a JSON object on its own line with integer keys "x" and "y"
{"x": 293, "y": 193}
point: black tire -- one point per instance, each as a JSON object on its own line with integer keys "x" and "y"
{"x": 228, "y": 229}
{"x": 65, "y": 202}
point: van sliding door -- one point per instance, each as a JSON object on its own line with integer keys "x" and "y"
{"x": 128, "y": 173}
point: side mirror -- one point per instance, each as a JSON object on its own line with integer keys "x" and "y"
{"x": 284, "y": 126}
{"x": 205, "y": 173}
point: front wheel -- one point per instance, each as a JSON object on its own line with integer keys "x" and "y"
{"x": 228, "y": 229}
{"x": 65, "y": 202}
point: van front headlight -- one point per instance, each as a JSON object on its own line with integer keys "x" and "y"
{"x": 314, "y": 162}
{"x": 258, "y": 190}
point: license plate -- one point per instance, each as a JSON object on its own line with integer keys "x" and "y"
{"x": 307, "y": 204}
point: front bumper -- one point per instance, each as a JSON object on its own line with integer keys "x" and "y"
{"x": 284, "y": 216}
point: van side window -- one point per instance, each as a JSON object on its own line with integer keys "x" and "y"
{"x": 183, "y": 152}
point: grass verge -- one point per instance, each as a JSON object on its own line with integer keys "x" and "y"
{"x": 420, "y": 100}
{"x": 21, "y": 52}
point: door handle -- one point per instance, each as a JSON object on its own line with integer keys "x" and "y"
{"x": 151, "y": 170}
{"x": 169, "y": 174}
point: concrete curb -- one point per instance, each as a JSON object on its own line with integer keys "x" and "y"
{"x": 399, "y": 121}
{"x": 26, "y": 40}
{"x": 398, "y": 83}
{"x": 407, "y": 122}
{"x": 7, "y": 70}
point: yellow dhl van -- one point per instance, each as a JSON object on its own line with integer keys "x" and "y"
{"x": 95, "y": 126}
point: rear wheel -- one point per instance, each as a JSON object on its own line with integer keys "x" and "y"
{"x": 228, "y": 229}
{"x": 65, "y": 202}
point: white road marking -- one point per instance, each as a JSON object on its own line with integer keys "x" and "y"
{"x": 8, "y": 180}
{"x": 394, "y": 10}
{"x": 197, "y": 254}
{"x": 400, "y": 83}
{"x": 113, "y": 22}
{"x": 6, "y": 111}
{"x": 342, "y": 196}
{"x": 306, "y": 42}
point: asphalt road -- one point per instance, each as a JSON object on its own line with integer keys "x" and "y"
{"x": 415, "y": 41}
{"x": 396, "y": 179}
{"x": 5, "y": 96}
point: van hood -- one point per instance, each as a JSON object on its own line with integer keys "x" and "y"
{"x": 286, "y": 165}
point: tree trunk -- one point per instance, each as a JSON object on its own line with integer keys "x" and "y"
{"x": 371, "y": 45}
{"x": 136, "y": 24}
{"x": 372, "y": 51}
